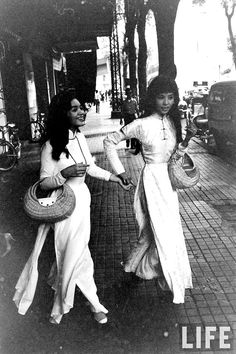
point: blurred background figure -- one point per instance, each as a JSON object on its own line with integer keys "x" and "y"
{"x": 97, "y": 101}
{"x": 130, "y": 112}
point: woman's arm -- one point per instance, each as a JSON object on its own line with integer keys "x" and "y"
{"x": 96, "y": 171}
{"x": 110, "y": 144}
{"x": 50, "y": 174}
{"x": 131, "y": 130}
{"x": 191, "y": 130}
{"x": 93, "y": 170}
{"x": 50, "y": 178}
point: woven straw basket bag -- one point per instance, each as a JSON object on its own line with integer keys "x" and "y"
{"x": 52, "y": 209}
{"x": 183, "y": 172}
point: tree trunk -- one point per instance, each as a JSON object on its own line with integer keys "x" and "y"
{"x": 142, "y": 54}
{"x": 132, "y": 62}
{"x": 125, "y": 67}
{"x": 165, "y": 14}
{"x": 130, "y": 30}
{"x": 231, "y": 36}
{"x": 125, "y": 58}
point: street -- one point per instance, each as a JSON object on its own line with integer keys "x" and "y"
{"x": 142, "y": 319}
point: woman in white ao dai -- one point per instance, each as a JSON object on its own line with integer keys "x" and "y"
{"x": 65, "y": 158}
{"x": 160, "y": 250}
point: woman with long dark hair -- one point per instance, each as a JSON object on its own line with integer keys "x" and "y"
{"x": 65, "y": 158}
{"x": 160, "y": 250}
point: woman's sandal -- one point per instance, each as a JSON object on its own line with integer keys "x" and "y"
{"x": 100, "y": 317}
{"x": 53, "y": 321}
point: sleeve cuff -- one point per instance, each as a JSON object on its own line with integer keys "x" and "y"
{"x": 107, "y": 176}
{"x": 61, "y": 179}
{"x": 120, "y": 170}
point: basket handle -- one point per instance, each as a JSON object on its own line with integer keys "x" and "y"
{"x": 35, "y": 186}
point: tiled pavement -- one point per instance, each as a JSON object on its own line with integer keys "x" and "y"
{"x": 141, "y": 319}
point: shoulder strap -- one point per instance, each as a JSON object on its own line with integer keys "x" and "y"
{"x": 85, "y": 161}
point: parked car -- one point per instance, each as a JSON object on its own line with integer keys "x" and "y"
{"x": 222, "y": 113}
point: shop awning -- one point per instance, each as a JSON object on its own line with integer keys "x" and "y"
{"x": 62, "y": 24}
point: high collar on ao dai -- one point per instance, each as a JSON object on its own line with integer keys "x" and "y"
{"x": 72, "y": 134}
{"x": 158, "y": 116}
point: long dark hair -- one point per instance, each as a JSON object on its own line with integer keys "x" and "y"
{"x": 164, "y": 84}
{"x": 57, "y": 130}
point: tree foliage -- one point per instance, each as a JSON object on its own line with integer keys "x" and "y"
{"x": 229, "y": 9}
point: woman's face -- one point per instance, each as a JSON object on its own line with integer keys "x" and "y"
{"x": 76, "y": 114}
{"x": 164, "y": 102}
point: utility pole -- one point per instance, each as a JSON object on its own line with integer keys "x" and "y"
{"x": 117, "y": 98}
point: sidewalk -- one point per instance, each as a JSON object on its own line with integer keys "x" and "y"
{"x": 141, "y": 318}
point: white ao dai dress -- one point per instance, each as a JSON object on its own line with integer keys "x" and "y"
{"x": 160, "y": 249}
{"x": 74, "y": 265}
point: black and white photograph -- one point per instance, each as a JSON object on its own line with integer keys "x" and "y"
{"x": 117, "y": 176}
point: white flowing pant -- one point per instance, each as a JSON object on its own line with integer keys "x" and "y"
{"x": 74, "y": 265}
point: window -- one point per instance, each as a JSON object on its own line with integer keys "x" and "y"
{"x": 217, "y": 96}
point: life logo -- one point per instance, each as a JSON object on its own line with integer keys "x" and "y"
{"x": 194, "y": 337}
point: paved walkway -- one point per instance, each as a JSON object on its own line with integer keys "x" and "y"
{"x": 142, "y": 318}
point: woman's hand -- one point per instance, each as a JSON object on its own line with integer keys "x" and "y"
{"x": 117, "y": 179}
{"x": 76, "y": 170}
{"x": 191, "y": 130}
{"x": 126, "y": 180}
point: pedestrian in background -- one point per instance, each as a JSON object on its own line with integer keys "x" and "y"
{"x": 129, "y": 113}
{"x": 97, "y": 101}
{"x": 183, "y": 107}
{"x": 160, "y": 250}
{"x": 66, "y": 158}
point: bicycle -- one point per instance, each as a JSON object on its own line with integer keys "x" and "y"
{"x": 36, "y": 127}
{"x": 10, "y": 147}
